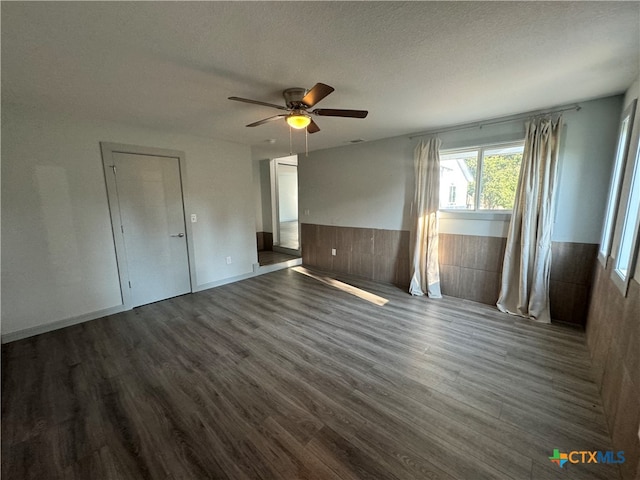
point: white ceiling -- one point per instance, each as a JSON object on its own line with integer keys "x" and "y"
{"x": 413, "y": 65}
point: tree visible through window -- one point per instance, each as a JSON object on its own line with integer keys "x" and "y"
{"x": 495, "y": 169}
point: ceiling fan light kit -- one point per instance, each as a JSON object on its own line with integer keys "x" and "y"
{"x": 298, "y": 120}
{"x": 298, "y": 101}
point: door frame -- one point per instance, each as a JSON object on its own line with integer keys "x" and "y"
{"x": 108, "y": 149}
{"x": 291, "y": 160}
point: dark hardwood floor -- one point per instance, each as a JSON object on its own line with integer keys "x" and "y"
{"x": 284, "y": 377}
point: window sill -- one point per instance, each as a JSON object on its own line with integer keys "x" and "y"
{"x": 457, "y": 215}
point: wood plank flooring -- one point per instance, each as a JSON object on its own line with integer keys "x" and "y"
{"x": 284, "y": 377}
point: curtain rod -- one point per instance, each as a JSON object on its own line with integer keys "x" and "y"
{"x": 495, "y": 121}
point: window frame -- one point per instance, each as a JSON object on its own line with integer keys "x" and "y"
{"x": 630, "y": 232}
{"x": 615, "y": 184}
{"x": 479, "y": 213}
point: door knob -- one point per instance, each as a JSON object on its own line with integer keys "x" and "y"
{"x": 178, "y": 235}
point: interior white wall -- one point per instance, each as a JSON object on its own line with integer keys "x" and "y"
{"x": 58, "y": 257}
{"x": 371, "y": 184}
{"x": 363, "y": 185}
{"x": 587, "y": 152}
{"x": 262, "y": 195}
{"x": 265, "y": 192}
{"x": 257, "y": 195}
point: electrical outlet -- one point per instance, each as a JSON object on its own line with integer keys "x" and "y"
{"x": 333, "y": 252}
{"x": 194, "y": 218}
{"x": 228, "y": 260}
{"x": 306, "y": 211}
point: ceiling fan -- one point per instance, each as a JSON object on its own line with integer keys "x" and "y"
{"x": 298, "y": 102}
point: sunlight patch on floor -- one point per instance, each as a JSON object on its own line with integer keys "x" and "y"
{"x": 358, "y": 292}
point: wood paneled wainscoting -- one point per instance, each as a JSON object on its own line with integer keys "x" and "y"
{"x": 380, "y": 255}
{"x": 572, "y": 270}
{"x": 470, "y": 265}
{"x": 613, "y": 336}
{"x": 264, "y": 241}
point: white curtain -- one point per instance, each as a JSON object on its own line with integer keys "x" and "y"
{"x": 425, "y": 272}
{"x": 527, "y": 259}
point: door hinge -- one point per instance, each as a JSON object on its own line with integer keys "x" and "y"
{"x": 129, "y": 284}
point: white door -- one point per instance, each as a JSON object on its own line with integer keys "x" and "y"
{"x": 152, "y": 220}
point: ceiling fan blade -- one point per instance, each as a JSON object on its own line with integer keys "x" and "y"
{"x": 332, "y": 112}
{"x": 257, "y": 102}
{"x": 266, "y": 120}
{"x": 313, "y": 127}
{"x": 317, "y": 93}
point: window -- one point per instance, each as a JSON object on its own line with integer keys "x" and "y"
{"x": 625, "y": 258}
{"x": 480, "y": 179}
{"x": 616, "y": 183}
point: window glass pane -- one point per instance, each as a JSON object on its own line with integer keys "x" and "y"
{"x": 624, "y": 260}
{"x": 607, "y": 229}
{"x": 458, "y": 180}
{"x": 500, "y": 172}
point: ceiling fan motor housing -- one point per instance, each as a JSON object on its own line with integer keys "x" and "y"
{"x": 298, "y": 102}
{"x": 293, "y": 97}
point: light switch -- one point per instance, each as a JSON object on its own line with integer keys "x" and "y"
{"x": 194, "y": 218}
{"x": 333, "y": 252}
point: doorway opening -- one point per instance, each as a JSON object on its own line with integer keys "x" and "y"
{"x": 285, "y": 215}
{"x": 277, "y": 225}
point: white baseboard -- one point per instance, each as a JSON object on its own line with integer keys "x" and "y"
{"x": 66, "y": 322}
{"x": 279, "y": 266}
{"x": 224, "y": 281}
{"x": 258, "y": 270}
{"x": 288, "y": 251}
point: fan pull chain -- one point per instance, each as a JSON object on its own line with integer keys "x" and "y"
{"x": 290, "y": 142}
{"x": 306, "y": 142}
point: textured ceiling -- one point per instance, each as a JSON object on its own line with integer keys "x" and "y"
{"x": 414, "y": 65}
